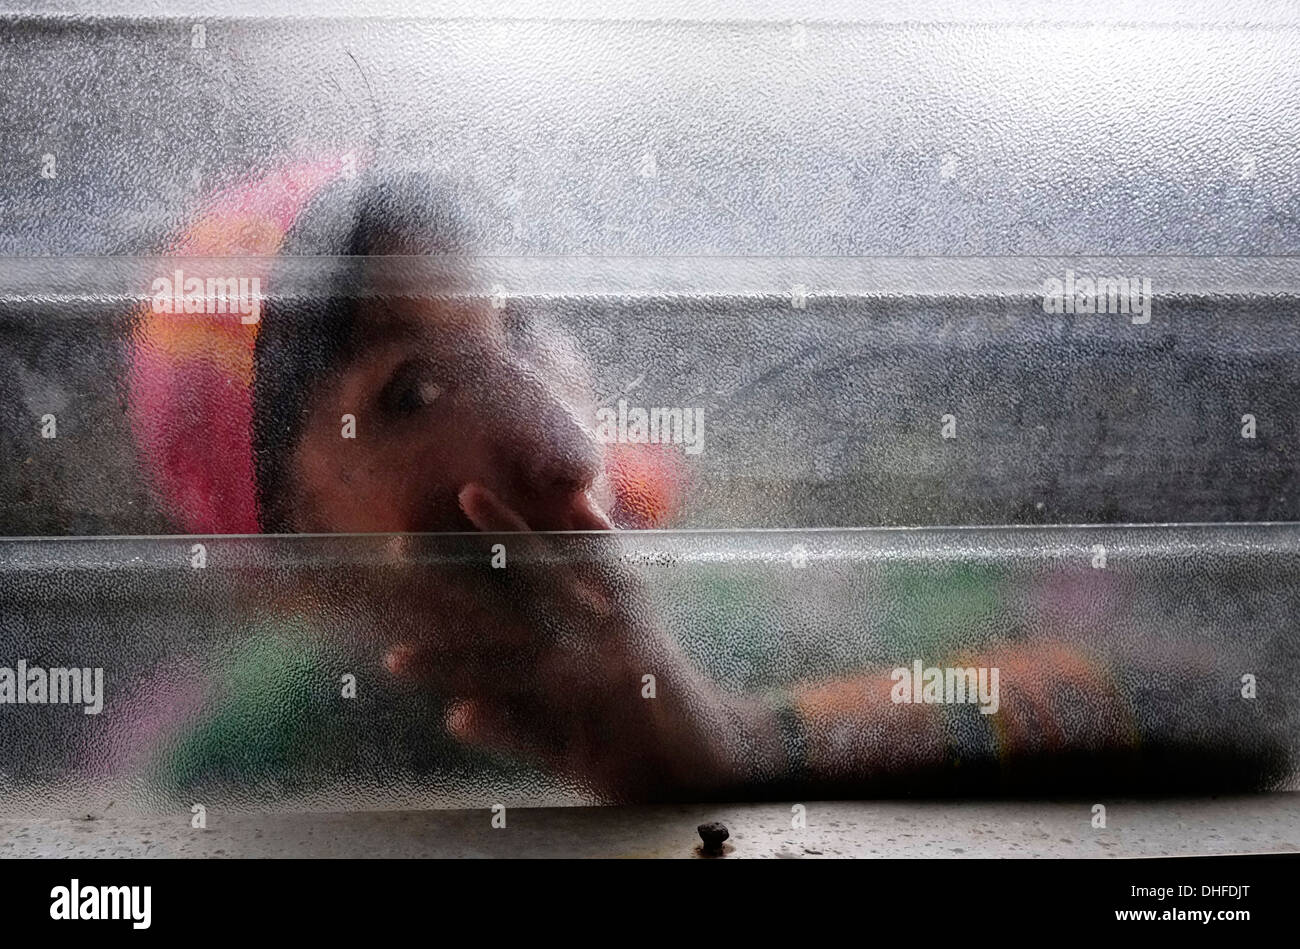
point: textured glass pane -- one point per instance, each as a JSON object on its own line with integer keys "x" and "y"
{"x": 764, "y": 414}
{"x": 446, "y": 409}
{"x": 773, "y": 657}
{"x": 826, "y": 131}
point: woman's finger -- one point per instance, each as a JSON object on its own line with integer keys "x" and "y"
{"x": 588, "y": 517}
{"x": 488, "y": 513}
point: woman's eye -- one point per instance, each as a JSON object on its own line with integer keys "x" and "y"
{"x": 411, "y": 391}
{"x": 427, "y": 392}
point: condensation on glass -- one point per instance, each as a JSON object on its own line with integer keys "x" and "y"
{"x": 892, "y": 345}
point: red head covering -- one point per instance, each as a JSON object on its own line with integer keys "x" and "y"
{"x": 191, "y": 379}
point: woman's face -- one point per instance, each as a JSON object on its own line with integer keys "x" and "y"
{"x": 447, "y": 393}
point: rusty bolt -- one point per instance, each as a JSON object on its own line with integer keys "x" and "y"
{"x": 713, "y": 834}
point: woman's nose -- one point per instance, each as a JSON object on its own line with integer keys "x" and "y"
{"x": 550, "y": 452}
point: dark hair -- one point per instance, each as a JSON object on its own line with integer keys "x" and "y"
{"x": 310, "y": 326}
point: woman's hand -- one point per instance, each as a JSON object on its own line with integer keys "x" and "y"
{"x": 547, "y": 659}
